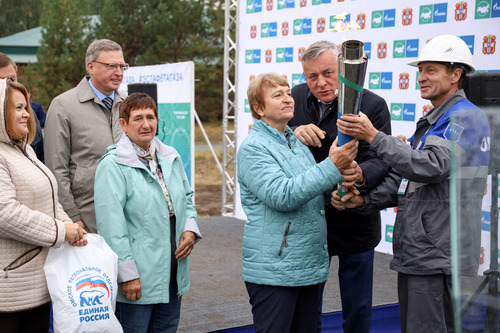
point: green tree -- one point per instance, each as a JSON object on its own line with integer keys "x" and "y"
{"x": 17, "y": 16}
{"x": 166, "y": 31}
{"x": 67, "y": 30}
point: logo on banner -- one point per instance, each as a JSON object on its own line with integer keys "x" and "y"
{"x": 298, "y": 79}
{"x": 407, "y": 16}
{"x": 461, "y": 11}
{"x": 396, "y": 111}
{"x": 321, "y": 25}
{"x": 383, "y": 18}
{"x": 253, "y": 31}
{"x": 269, "y": 5}
{"x": 469, "y": 40}
{"x": 405, "y": 48}
{"x": 280, "y": 54}
{"x": 426, "y": 109}
{"x": 284, "y": 28}
{"x": 269, "y": 56}
{"x": 386, "y": 80}
{"x": 247, "y": 109}
{"x": 361, "y": 21}
{"x": 389, "y": 231}
{"x": 302, "y": 26}
{"x": 402, "y": 137}
{"x": 284, "y": 54}
{"x": 404, "y": 80}
{"x": 303, "y": 3}
{"x": 251, "y": 78}
{"x": 252, "y": 56}
{"x": 367, "y": 48}
{"x": 301, "y": 52}
{"x": 283, "y": 4}
{"x": 489, "y": 44}
{"x": 87, "y": 288}
{"x": 409, "y": 112}
{"x": 268, "y": 29}
{"x": 484, "y": 9}
{"x": 403, "y": 111}
{"x": 374, "y": 81}
{"x": 436, "y": 13}
{"x": 380, "y": 80}
{"x": 382, "y": 50}
{"x": 288, "y": 54}
{"x": 319, "y": 2}
{"x": 254, "y": 6}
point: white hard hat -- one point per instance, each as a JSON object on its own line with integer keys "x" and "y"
{"x": 446, "y": 48}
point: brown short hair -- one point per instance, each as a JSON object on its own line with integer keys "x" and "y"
{"x": 6, "y": 61}
{"x": 10, "y": 109}
{"x": 256, "y": 88}
{"x": 137, "y": 101}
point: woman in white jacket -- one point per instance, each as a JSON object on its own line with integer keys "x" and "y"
{"x": 31, "y": 218}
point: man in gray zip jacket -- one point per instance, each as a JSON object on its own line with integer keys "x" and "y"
{"x": 455, "y": 135}
{"x": 81, "y": 123}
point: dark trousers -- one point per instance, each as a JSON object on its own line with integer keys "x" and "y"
{"x": 425, "y": 303}
{"x": 284, "y": 309}
{"x": 29, "y": 321}
{"x": 356, "y": 289}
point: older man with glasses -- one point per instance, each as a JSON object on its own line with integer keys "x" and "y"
{"x": 80, "y": 124}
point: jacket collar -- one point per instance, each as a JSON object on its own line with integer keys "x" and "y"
{"x": 125, "y": 152}
{"x": 436, "y": 113}
{"x": 85, "y": 93}
{"x": 262, "y": 126}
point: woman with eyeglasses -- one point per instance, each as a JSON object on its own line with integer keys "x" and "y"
{"x": 31, "y": 218}
{"x": 146, "y": 214}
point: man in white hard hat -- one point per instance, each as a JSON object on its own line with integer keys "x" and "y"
{"x": 419, "y": 185}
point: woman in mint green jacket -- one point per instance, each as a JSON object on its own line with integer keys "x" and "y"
{"x": 285, "y": 254}
{"x": 145, "y": 212}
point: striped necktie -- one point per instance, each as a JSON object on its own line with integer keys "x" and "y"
{"x": 108, "y": 102}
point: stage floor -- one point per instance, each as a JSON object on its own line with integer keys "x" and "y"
{"x": 218, "y": 298}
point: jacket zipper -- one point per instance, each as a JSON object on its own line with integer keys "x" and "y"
{"x": 37, "y": 249}
{"x": 8, "y": 267}
{"x": 284, "y": 243}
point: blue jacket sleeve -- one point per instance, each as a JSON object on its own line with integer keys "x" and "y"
{"x": 261, "y": 174}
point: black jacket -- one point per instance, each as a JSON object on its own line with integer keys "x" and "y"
{"x": 349, "y": 231}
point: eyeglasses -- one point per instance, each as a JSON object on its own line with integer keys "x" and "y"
{"x": 113, "y": 66}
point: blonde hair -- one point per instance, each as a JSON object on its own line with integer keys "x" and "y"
{"x": 10, "y": 110}
{"x": 256, "y": 88}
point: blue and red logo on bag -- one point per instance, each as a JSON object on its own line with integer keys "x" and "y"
{"x": 88, "y": 290}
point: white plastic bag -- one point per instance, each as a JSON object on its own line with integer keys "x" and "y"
{"x": 82, "y": 286}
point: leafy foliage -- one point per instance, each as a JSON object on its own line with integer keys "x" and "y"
{"x": 18, "y": 16}
{"x": 66, "y": 33}
{"x": 159, "y": 31}
{"x": 149, "y": 31}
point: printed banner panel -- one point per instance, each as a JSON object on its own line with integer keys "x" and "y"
{"x": 273, "y": 34}
{"x": 175, "y": 83}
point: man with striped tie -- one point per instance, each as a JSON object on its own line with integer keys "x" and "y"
{"x": 81, "y": 123}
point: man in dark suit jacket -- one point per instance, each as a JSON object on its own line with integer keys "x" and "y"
{"x": 352, "y": 235}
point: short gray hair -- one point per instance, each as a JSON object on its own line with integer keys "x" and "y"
{"x": 318, "y": 48}
{"x": 99, "y": 45}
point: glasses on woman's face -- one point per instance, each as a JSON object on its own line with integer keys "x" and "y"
{"x": 113, "y": 67}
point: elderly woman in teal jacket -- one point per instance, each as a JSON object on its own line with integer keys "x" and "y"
{"x": 145, "y": 213}
{"x": 283, "y": 192}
